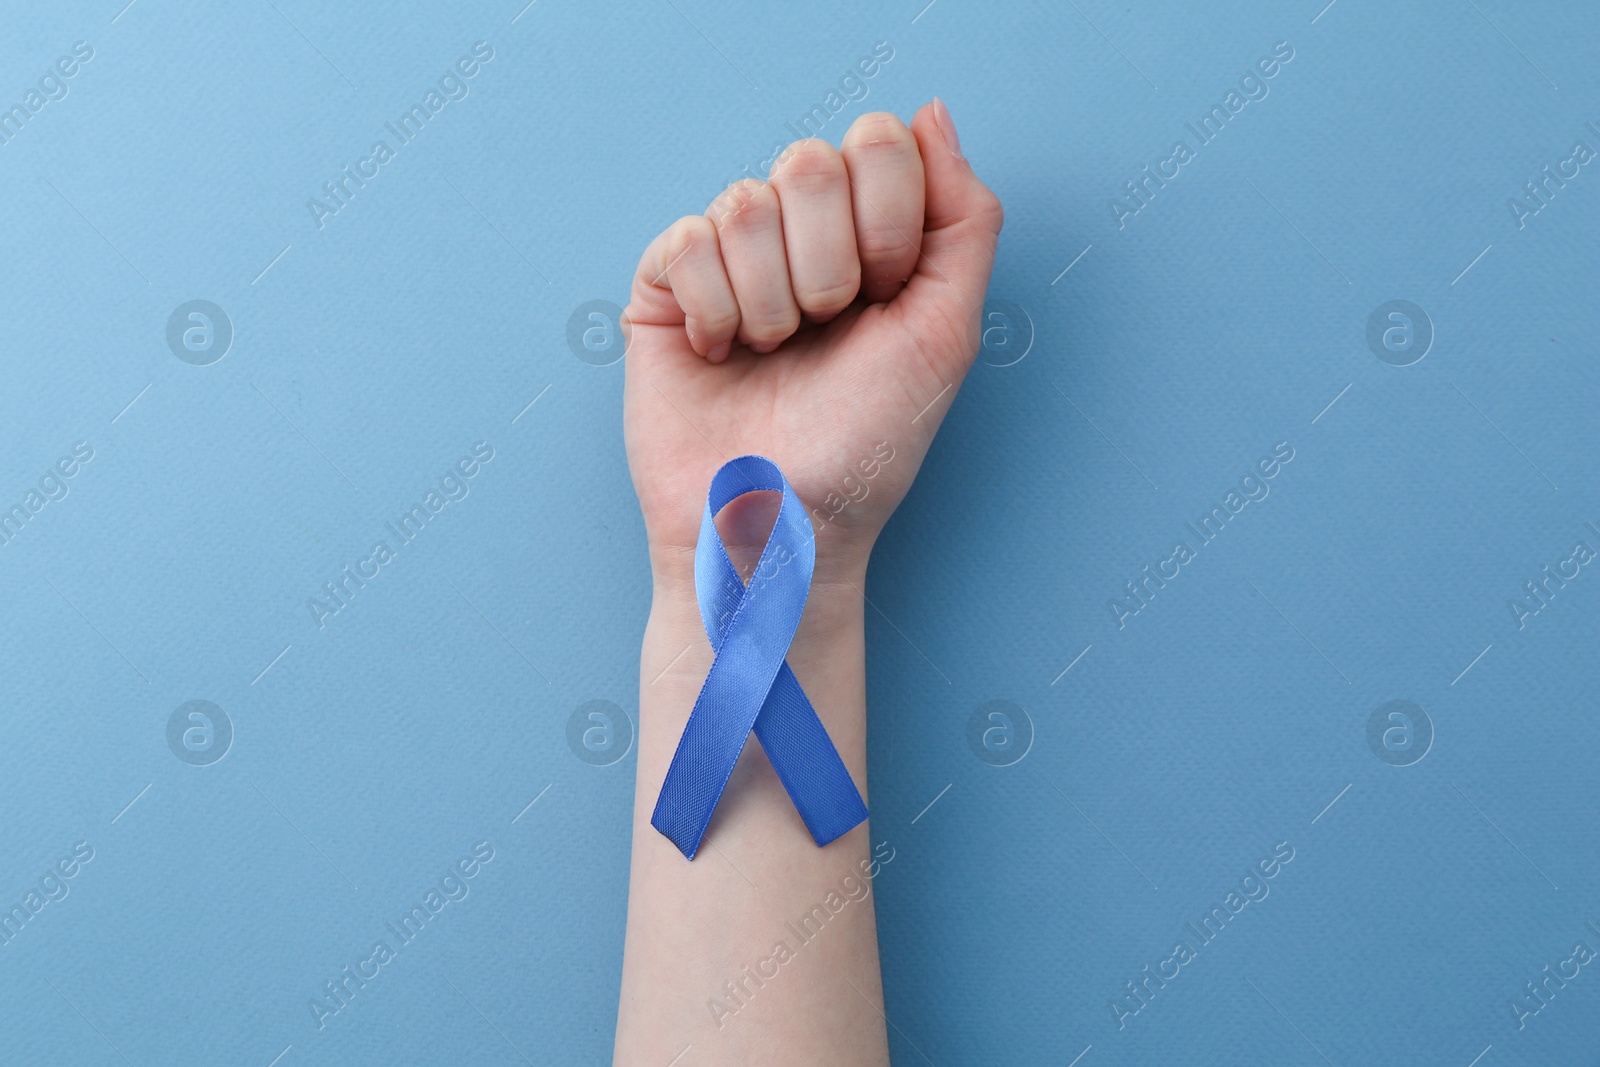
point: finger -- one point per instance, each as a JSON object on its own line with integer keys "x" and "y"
{"x": 818, "y": 233}
{"x": 750, "y": 230}
{"x": 960, "y": 229}
{"x": 886, "y": 195}
{"x": 681, "y": 279}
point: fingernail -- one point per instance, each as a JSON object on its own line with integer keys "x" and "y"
{"x": 947, "y": 127}
{"x": 719, "y": 353}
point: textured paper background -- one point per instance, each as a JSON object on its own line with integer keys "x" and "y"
{"x": 368, "y": 355}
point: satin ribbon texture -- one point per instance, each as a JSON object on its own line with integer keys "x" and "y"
{"x": 750, "y": 686}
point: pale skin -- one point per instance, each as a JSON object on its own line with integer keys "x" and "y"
{"x": 808, "y": 319}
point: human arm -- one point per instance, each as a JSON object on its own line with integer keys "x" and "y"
{"x": 825, "y": 320}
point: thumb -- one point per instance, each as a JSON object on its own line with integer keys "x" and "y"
{"x": 961, "y": 226}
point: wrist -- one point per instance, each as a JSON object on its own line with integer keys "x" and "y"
{"x": 828, "y": 653}
{"x": 832, "y": 621}
{"x": 839, "y": 574}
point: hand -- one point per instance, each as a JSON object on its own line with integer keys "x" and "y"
{"x": 824, "y": 319}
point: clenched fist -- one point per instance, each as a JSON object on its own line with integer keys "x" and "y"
{"x": 824, "y": 319}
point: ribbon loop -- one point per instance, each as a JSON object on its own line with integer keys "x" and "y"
{"x": 750, "y": 687}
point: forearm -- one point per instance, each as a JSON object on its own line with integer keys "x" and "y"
{"x": 764, "y": 948}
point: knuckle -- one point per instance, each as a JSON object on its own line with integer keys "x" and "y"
{"x": 717, "y": 321}
{"x": 689, "y": 232}
{"x": 743, "y": 204}
{"x": 830, "y": 296}
{"x": 771, "y": 327}
{"x": 808, "y": 163}
{"x": 880, "y": 243}
{"x": 877, "y": 127}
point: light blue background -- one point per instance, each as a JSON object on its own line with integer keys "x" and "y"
{"x": 370, "y": 354}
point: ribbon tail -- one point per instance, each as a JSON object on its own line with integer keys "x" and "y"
{"x": 712, "y": 740}
{"x": 808, "y": 764}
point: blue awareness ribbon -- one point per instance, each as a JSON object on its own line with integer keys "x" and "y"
{"x": 750, "y": 686}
